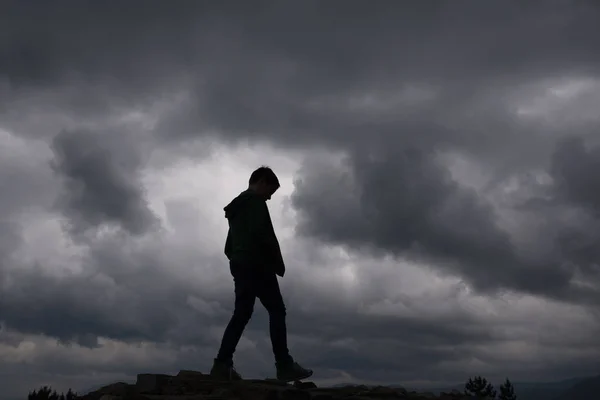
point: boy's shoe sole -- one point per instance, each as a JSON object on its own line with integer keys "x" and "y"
{"x": 224, "y": 372}
{"x": 297, "y": 378}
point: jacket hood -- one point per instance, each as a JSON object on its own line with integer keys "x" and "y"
{"x": 240, "y": 201}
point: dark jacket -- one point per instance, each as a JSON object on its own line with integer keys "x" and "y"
{"x": 251, "y": 239}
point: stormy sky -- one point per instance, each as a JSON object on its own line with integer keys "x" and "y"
{"x": 440, "y": 204}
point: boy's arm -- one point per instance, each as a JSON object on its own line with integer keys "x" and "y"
{"x": 258, "y": 220}
{"x": 261, "y": 228}
{"x": 228, "y": 245}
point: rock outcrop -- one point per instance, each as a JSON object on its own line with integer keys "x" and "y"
{"x": 192, "y": 385}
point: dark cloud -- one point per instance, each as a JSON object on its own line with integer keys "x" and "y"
{"x": 122, "y": 294}
{"x": 101, "y": 186}
{"x": 576, "y": 186}
{"x": 572, "y": 169}
{"x": 402, "y": 201}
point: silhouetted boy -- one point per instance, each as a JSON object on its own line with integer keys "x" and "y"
{"x": 254, "y": 260}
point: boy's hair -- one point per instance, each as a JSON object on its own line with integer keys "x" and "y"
{"x": 265, "y": 173}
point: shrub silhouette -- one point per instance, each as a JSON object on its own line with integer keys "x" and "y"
{"x": 46, "y": 393}
{"x": 507, "y": 391}
{"x": 480, "y": 387}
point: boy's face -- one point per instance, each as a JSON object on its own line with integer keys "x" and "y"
{"x": 266, "y": 190}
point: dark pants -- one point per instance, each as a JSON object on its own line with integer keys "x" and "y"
{"x": 250, "y": 284}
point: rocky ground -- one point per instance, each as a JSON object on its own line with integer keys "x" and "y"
{"x": 192, "y": 385}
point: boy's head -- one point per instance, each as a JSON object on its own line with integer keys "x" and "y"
{"x": 264, "y": 182}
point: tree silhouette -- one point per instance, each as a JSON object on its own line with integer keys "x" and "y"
{"x": 507, "y": 391}
{"x": 46, "y": 393}
{"x": 480, "y": 387}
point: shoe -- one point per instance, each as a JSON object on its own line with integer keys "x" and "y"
{"x": 223, "y": 370}
{"x": 292, "y": 371}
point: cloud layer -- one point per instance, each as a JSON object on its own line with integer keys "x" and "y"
{"x": 440, "y": 202}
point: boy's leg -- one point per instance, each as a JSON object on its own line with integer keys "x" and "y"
{"x": 269, "y": 295}
{"x": 245, "y": 297}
